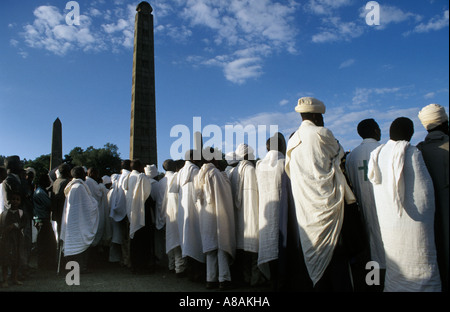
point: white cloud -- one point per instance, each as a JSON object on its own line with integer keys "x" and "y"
{"x": 252, "y": 29}
{"x": 347, "y": 63}
{"x": 325, "y": 7}
{"x": 436, "y": 23}
{"x": 284, "y": 102}
{"x": 429, "y": 95}
{"x": 50, "y": 32}
{"x": 336, "y": 30}
{"x": 242, "y": 69}
{"x": 391, "y": 14}
{"x": 361, "y": 95}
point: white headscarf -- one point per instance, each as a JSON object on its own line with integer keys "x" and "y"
{"x": 151, "y": 171}
{"x": 242, "y": 150}
{"x": 432, "y": 116}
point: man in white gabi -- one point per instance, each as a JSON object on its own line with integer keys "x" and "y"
{"x": 319, "y": 189}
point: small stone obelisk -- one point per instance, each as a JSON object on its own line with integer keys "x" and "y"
{"x": 56, "y": 155}
{"x": 143, "y": 113}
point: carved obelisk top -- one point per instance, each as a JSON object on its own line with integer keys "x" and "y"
{"x": 56, "y": 154}
{"x": 143, "y": 113}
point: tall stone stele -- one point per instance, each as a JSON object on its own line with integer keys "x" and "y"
{"x": 143, "y": 113}
{"x": 56, "y": 154}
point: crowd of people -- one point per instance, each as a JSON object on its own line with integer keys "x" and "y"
{"x": 306, "y": 217}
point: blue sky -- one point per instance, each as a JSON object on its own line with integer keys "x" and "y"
{"x": 233, "y": 62}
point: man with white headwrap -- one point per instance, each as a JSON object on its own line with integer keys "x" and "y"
{"x": 404, "y": 198}
{"x": 245, "y": 196}
{"x": 269, "y": 174}
{"x": 319, "y": 189}
{"x": 215, "y": 204}
{"x": 435, "y": 152}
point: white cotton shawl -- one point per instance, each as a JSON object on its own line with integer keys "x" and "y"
{"x": 245, "y": 196}
{"x": 118, "y": 201}
{"x": 269, "y": 172}
{"x": 141, "y": 192}
{"x": 404, "y": 197}
{"x": 80, "y": 218}
{"x": 215, "y": 202}
{"x": 170, "y": 205}
{"x": 188, "y": 217}
{"x": 319, "y": 189}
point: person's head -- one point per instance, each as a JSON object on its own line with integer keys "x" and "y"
{"x": 194, "y": 156}
{"x": 136, "y": 165}
{"x": 44, "y": 181}
{"x": 30, "y": 173}
{"x": 311, "y": 109}
{"x": 179, "y": 164}
{"x": 402, "y": 129}
{"x": 93, "y": 173}
{"x": 277, "y": 142}
{"x": 13, "y": 164}
{"x": 170, "y": 165}
{"x": 15, "y": 201}
{"x": 434, "y": 118}
{"x": 369, "y": 129}
{"x": 244, "y": 151}
{"x": 126, "y": 164}
{"x": 64, "y": 170}
{"x": 78, "y": 172}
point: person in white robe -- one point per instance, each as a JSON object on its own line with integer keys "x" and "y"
{"x": 215, "y": 203}
{"x": 98, "y": 194}
{"x": 170, "y": 206}
{"x": 269, "y": 173}
{"x": 435, "y": 152}
{"x": 356, "y": 165}
{"x": 138, "y": 189}
{"x": 159, "y": 216}
{"x": 319, "y": 188}
{"x": 118, "y": 214}
{"x": 405, "y": 204}
{"x": 245, "y": 197}
{"x": 80, "y": 219}
{"x": 188, "y": 215}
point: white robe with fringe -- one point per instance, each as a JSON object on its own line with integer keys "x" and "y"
{"x": 245, "y": 196}
{"x": 170, "y": 206}
{"x": 319, "y": 189}
{"x": 404, "y": 197}
{"x": 215, "y": 202}
{"x": 80, "y": 218}
{"x": 269, "y": 172}
{"x": 188, "y": 214}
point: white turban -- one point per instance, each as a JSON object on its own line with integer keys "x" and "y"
{"x": 432, "y": 116}
{"x": 242, "y": 150}
{"x": 231, "y": 158}
{"x": 151, "y": 171}
{"x": 106, "y": 180}
{"x": 310, "y": 105}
